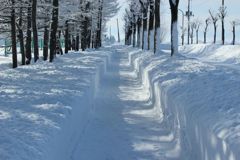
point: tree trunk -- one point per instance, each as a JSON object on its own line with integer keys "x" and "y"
{"x": 197, "y": 36}
{"x": 45, "y": 43}
{"x": 215, "y": 33}
{"x": 139, "y": 26}
{"x": 77, "y": 42}
{"x": 192, "y": 36}
{"x": 29, "y": 35}
{"x": 151, "y": 21}
{"x": 99, "y": 30}
{"x": 205, "y": 37}
{"x": 174, "y": 29}
{"x": 134, "y": 31}
{"x": 59, "y": 42}
{"x": 223, "y": 32}
{"x": 234, "y": 35}
{"x": 13, "y": 36}
{"x": 84, "y": 35}
{"x": 73, "y": 43}
{"x": 144, "y": 32}
{"x": 21, "y": 38}
{"x": 54, "y": 26}
{"x": 66, "y": 37}
{"x": 35, "y": 31}
{"x": 157, "y": 25}
{"x": 89, "y": 38}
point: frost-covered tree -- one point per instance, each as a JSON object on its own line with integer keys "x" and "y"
{"x": 151, "y": 25}
{"x": 133, "y": 22}
{"x": 157, "y": 25}
{"x": 54, "y": 27}
{"x": 45, "y": 9}
{"x": 198, "y": 25}
{"x": 192, "y": 28}
{"x": 222, "y": 15}
{"x": 234, "y": 23}
{"x": 214, "y": 20}
{"x": 128, "y": 28}
{"x": 35, "y": 30}
{"x": 174, "y": 26}
{"x": 13, "y": 34}
{"x": 144, "y": 7}
{"x": 207, "y": 22}
{"x": 195, "y": 25}
{"x": 20, "y": 23}
{"x": 26, "y": 20}
{"x": 8, "y": 25}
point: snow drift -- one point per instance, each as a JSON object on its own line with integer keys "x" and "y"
{"x": 44, "y": 107}
{"x": 199, "y": 101}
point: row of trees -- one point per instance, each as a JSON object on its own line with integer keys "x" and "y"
{"x": 142, "y": 15}
{"x": 213, "y": 19}
{"x": 143, "y": 27}
{"x": 80, "y": 22}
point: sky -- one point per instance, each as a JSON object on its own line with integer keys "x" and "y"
{"x": 200, "y": 10}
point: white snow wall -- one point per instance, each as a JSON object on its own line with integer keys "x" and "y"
{"x": 190, "y": 138}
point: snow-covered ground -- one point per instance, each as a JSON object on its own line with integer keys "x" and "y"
{"x": 123, "y": 103}
{"x": 43, "y": 107}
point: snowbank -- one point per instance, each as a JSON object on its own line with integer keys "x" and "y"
{"x": 44, "y": 107}
{"x": 213, "y": 53}
{"x": 198, "y": 101}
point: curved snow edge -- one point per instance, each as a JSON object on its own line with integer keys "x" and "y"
{"x": 193, "y": 139}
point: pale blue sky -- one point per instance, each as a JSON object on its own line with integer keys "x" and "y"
{"x": 200, "y": 9}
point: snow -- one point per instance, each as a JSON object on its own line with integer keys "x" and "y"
{"x": 43, "y": 107}
{"x": 124, "y": 103}
{"x": 227, "y": 54}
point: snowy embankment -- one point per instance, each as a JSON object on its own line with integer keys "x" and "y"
{"x": 44, "y": 107}
{"x": 199, "y": 99}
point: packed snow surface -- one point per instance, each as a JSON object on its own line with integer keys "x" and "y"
{"x": 121, "y": 103}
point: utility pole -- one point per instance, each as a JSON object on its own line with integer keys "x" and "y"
{"x": 118, "y": 31}
{"x": 189, "y": 14}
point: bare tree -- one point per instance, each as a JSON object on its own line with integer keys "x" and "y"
{"x": 198, "y": 24}
{"x": 222, "y": 15}
{"x": 192, "y": 27}
{"x": 207, "y": 22}
{"x": 214, "y": 19}
{"x": 234, "y": 23}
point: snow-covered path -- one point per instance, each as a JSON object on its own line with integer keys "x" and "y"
{"x": 123, "y": 124}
